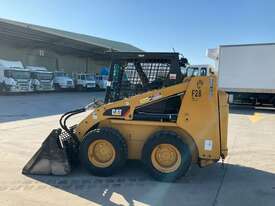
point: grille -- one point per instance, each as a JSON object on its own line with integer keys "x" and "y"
{"x": 64, "y": 136}
{"x": 23, "y": 86}
{"x": 46, "y": 85}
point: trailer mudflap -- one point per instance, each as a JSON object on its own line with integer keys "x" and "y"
{"x": 51, "y": 158}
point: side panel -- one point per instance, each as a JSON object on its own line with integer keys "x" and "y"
{"x": 199, "y": 116}
{"x": 224, "y": 111}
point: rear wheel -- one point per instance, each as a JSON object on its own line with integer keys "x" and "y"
{"x": 166, "y": 156}
{"x": 103, "y": 151}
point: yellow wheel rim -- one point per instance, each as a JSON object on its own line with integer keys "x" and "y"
{"x": 101, "y": 153}
{"x": 166, "y": 158}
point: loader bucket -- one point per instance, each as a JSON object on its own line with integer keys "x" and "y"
{"x": 50, "y": 159}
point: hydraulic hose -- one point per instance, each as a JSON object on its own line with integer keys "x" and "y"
{"x": 66, "y": 116}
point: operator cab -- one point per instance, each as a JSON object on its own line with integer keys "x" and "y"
{"x": 136, "y": 73}
{"x": 133, "y": 73}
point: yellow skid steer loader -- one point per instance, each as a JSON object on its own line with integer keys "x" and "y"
{"x": 151, "y": 113}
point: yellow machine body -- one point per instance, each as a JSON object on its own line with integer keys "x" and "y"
{"x": 201, "y": 121}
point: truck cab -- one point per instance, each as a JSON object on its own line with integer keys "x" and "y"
{"x": 85, "y": 81}
{"x": 14, "y": 77}
{"x": 61, "y": 80}
{"x": 198, "y": 70}
{"x": 15, "y": 80}
{"x": 41, "y": 78}
{"x": 101, "y": 81}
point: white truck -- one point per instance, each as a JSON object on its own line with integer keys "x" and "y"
{"x": 61, "y": 80}
{"x": 198, "y": 70}
{"x": 84, "y": 81}
{"x": 41, "y": 78}
{"x": 254, "y": 65}
{"x": 101, "y": 81}
{"x": 14, "y": 77}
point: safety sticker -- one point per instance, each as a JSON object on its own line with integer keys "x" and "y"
{"x": 94, "y": 116}
{"x": 173, "y": 76}
{"x": 208, "y": 145}
{"x": 116, "y": 112}
{"x": 144, "y": 100}
{"x": 156, "y": 96}
{"x": 150, "y": 98}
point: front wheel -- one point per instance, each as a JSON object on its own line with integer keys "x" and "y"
{"x": 166, "y": 157}
{"x": 57, "y": 87}
{"x": 103, "y": 151}
{"x": 81, "y": 88}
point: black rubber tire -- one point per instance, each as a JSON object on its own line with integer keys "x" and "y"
{"x": 166, "y": 137}
{"x": 57, "y": 87}
{"x": 97, "y": 87}
{"x": 119, "y": 144}
{"x": 80, "y": 88}
{"x": 273, "y": 102}
{"x": 2, "y": 88}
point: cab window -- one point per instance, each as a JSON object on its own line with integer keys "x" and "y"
{"x": 203, "y": 71}
{"x": 190, "y": 71}
{"x": 195, "y": 72}
{"x": 82, "y": 77}
{"x": 7, "y": 73}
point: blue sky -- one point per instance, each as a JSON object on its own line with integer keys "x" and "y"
{"x": 188, "y": 26}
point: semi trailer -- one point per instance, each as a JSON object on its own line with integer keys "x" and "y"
{"x": 246, "y": 72}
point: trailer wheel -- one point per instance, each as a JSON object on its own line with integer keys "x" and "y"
{"x": 166, "y": 157}
{"x": 103, "y": 151}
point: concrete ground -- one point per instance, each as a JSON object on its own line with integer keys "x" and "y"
{"x": 247, "y": 178}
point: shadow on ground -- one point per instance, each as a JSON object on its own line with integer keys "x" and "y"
{"x": 214, "y": 185}
{"x": 250, "y": 110}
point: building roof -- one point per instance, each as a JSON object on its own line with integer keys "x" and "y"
{"x": 56, "y": 37}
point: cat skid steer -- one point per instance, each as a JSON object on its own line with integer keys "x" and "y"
{"x": 151, "y": 113}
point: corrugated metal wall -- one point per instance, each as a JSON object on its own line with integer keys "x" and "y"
{"x": 52, "y": 60}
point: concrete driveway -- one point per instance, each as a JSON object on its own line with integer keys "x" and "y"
{"x": 247, "y": 177}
